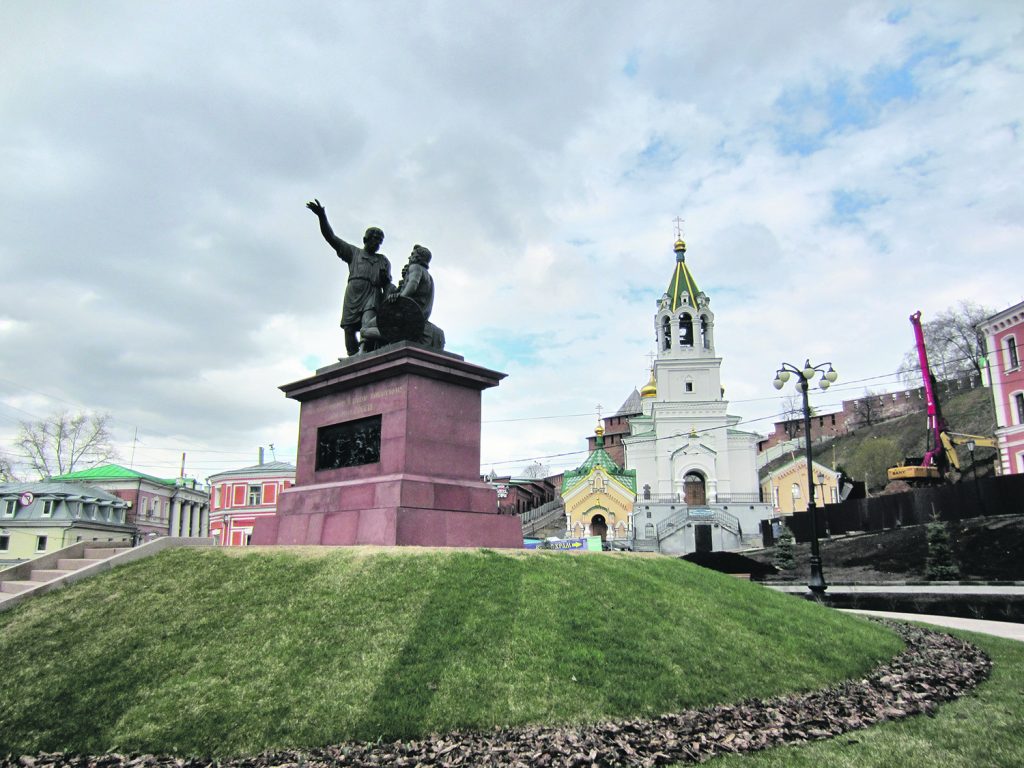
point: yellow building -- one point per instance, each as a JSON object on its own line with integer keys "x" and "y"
{"x": 786, "y": 487}
{"x": 599, "y": 496}
{"x": 36, "y": 518}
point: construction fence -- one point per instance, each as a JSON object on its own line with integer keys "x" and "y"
{"x": 960, "y": 501}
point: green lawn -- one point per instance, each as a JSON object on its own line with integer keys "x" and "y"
{"x": 201, "y": 652}
{"x": 984, "y": 730}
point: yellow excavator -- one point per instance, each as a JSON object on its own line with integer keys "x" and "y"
{"x": 940, "y": 461}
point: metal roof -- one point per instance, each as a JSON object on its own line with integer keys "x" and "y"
{"x": 267, "y": 468}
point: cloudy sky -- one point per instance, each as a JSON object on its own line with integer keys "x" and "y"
{"x": 838, "y": 166}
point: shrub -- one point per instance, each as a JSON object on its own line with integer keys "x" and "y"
{"x": 939, "y": 565}
{"x": 785, "y": 554}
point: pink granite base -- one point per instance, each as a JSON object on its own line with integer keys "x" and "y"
{"x": 401, "y": 526}
{"x": 425, "y": 490}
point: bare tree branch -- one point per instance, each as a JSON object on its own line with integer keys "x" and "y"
{"x": 953, "y": 343}
{"x": 866, "y": 409}
{"x": 7, "y": 474}
{"x": 63, "y": 443}
{"x": 535, "y": 471}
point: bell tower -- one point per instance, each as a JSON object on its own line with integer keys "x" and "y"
{"x": 684, "y": 324}
{"x": 686, "y": 368}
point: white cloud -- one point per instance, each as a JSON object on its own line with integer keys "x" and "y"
{"x": 540, "y": 150}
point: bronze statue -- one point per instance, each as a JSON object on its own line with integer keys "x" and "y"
{"x": 405, "y": 313}
{"x": 369, "y": 276}
{"x": 416, "y": 282}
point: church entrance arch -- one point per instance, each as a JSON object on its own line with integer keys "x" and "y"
{"x": 694, "y": 489}
{"x": 599, "y": 527}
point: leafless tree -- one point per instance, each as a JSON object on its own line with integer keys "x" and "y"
{"x": 866, "y": 409}
{"x": 7, "y": 474}
{"x": 536, "y": 471}
{"x": 792, "y": 412}
{"x": 65, "y": 442}
{"x": 953, "y": 343}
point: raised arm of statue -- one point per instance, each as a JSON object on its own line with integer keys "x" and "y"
{"x": 343, "y": 249}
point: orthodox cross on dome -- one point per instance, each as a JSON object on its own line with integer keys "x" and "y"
{"x": 599, "y": 412}
{"x": 679, "y": 226}
{"x": 650, "y": 360}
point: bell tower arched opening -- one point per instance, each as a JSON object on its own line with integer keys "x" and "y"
{"x": 685, "y": 330}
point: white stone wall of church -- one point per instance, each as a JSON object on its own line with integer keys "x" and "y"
{"x": 682, "y": 541}
{"x": 743, "y": 459}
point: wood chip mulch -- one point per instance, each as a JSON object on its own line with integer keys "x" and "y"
{"x": 934, "y": 668}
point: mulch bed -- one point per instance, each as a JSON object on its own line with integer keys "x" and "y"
{"x": 934, "y": 668}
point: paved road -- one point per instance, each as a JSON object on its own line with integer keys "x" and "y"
{"x": 910, "y": 589}
{"x": 998, "y": 628}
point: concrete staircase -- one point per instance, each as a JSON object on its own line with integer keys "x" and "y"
{"x": 78, "y": 561}
{"x": 65, "y": 566}
{"x": 545, "y": 520}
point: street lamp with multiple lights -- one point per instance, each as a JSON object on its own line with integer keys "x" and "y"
{"x": 804, "y": 375}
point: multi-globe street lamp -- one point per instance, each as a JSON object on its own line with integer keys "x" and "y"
{"x": 804, "y": 375}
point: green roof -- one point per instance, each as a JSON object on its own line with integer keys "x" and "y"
{"x": 111, "y": 472}
{"x": 682, "y": 284}
{"x": 599, "y": 458}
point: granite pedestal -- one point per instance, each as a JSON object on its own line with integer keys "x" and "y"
{"x": 410, "y": 418}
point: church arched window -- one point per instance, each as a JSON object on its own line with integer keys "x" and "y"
{"x": 666, "y": 333}
{"x": 705, "y": 335}
{"x": 685, "y": 330}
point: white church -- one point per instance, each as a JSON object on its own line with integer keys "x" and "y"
{"x": 696, "y": 475}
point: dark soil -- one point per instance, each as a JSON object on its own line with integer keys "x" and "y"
{"x": 985, "y": 549}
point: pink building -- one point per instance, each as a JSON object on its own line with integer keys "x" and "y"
{"x": 1004, "y": 333}
{"x": 239, "y": 497}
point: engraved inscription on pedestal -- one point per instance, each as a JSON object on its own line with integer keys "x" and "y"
{"x": 348, "y": 444}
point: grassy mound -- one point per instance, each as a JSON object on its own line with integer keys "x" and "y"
{"x": 204, "y": 652}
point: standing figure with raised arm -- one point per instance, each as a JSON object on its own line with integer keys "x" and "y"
{"x": 369, "y": 275}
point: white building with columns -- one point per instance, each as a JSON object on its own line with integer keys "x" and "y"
{"x": 696, "y": 471}
{"x": 177, "y": 506}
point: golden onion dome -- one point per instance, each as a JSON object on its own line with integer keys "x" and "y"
{"x": 599, "y": 430}
{"x": 650, "y": 388}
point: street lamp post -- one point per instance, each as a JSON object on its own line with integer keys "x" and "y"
{"x": 804, "y": 375}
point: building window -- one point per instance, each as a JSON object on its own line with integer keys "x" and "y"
{"x": 689, "y": 386}
{"x": 145, "y": 507}
{"x": 666, "y": 333}
{"x": 1018, "y": 401}
{"x": 10, "y": 506}
{"x": 47, "y": 508}
{"x": 216, "y": 497}
{"x": 40, "y": 543}
{"x": 1011, "y": 349}
{"x": 255, "y": 495}
{"x": 156, "y": 507}
{"x": 5, "y": 543}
